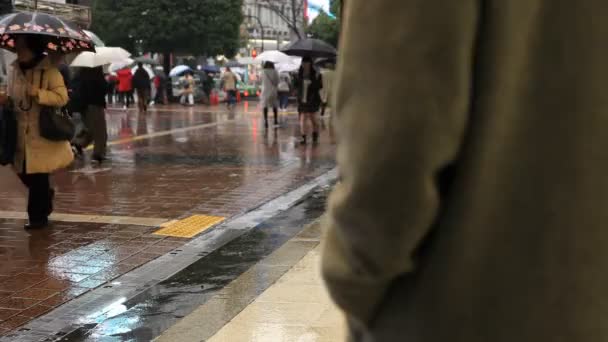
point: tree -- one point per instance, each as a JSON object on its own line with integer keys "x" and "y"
{"x": 200, "y": 27}
{"x": 325, "y": 27}
{"x": 293, "y": 18}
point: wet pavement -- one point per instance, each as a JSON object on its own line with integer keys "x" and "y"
{"x": 146, "y": 316}
{"x": 169, "y": 164}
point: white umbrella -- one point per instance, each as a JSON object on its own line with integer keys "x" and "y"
{"x": 287, "y": 67}
{"x": 273, "y": 56}
{"x": 102, "y": 56}
{"x": 121, "y": 65}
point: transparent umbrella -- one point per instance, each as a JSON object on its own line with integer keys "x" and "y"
{"x": 179, "y": 70}
{"x": 96, "y": 40}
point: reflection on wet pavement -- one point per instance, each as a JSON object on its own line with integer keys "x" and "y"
{"x": 172, "y": 163}
{"x": 146, "y": 316}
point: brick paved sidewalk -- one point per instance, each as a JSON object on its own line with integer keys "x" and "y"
{"x": 166, "y": 165}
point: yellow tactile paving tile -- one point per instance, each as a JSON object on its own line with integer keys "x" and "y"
{"x": 189, "y": 227}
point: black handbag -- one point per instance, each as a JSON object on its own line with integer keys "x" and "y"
{"x": 55, "y": 123}
{"x": 8, "y": 134}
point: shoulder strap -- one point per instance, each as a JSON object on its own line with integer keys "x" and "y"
{"x": 41, "y": 77}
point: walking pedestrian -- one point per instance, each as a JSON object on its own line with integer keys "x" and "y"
{"x": 37, "y": 82}
{"x": 229, "y": 82}
{"x": 474, "y": 208}
{"x": 94, "y": 88}
{"x": 155, "y": 89}
{"x": 188, "y": 90}
{"x": 284, "y": 90}
{"x": 270, "y": 92}
{"x": 163, "y": 83}
{"x": 327, "y": 74}
{"x": 125, "y": 86}
{"x": 142, "y": 84}
{"x": 208, "y": 86}
{"x": 309, "y": 99}
{"x": 112, "y": 81}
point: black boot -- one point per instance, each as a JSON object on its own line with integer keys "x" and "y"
{"x": 303, "y": 140}
{"x": 51, "y": 200}
{"x": 315, "y": 137}
{"x": 276, "y": 116}
{"x": 37, "y": 224}
{"x": 265, "y": 117}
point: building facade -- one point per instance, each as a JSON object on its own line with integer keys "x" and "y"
{"x": 76, "y": 11}
{"x": 266, "y": 22}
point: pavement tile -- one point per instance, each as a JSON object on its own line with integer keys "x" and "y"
{"x": 36, "y": 311}
{"x": 36, "y": 293}
{"x": 91, "y": 283}
{"x": 4, "y": 294}
{"x": 17, "y": 303}
{"x": 7, "y": 313}
{"x": 76, "y": 291}
{"x": 15, "y": 322}
{"x": 19, "y": 282}
{"x": 55, "y": 284}
{"x": 58, "y": 299}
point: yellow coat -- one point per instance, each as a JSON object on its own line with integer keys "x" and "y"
{"x": 40, "y": 155}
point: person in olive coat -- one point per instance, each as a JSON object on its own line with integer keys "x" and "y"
{"x": 473, "y": 159}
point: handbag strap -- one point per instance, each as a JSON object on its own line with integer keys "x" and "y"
{"x": 31, "y": 100}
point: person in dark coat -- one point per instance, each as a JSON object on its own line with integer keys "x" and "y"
{"x": 93, "y": 88}
{"x": 112, "y": 83}
{"x": 309, "y": 84}
{"x": 141, "y": 83}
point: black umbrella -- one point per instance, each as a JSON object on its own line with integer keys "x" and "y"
{"x": 309, "y": 47}
{"x": 62, "y": 37}
{"x": 146, "y": 60}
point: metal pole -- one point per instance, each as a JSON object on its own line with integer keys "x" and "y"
{"x": 261, "y": 27}
{"x": 263, "y": 37}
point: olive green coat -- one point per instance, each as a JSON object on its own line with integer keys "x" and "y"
{"x": 40, "y": 155}
{"x": 473, "y": 205}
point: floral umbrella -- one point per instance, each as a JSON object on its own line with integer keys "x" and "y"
{"x": 62, "y": 37}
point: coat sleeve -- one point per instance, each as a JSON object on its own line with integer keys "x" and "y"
{"x": 56, "y": 93}
{"x": 402, "y": 102}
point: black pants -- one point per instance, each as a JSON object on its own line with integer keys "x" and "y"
{"x": 40, "y": 199}
{"x": 276, "y": 115}
{"x": 126, "y": 98}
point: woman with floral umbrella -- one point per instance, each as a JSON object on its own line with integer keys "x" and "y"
{"x": 35, "y": 82}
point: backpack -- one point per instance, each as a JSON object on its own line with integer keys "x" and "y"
{"x": 283, "y": 85}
